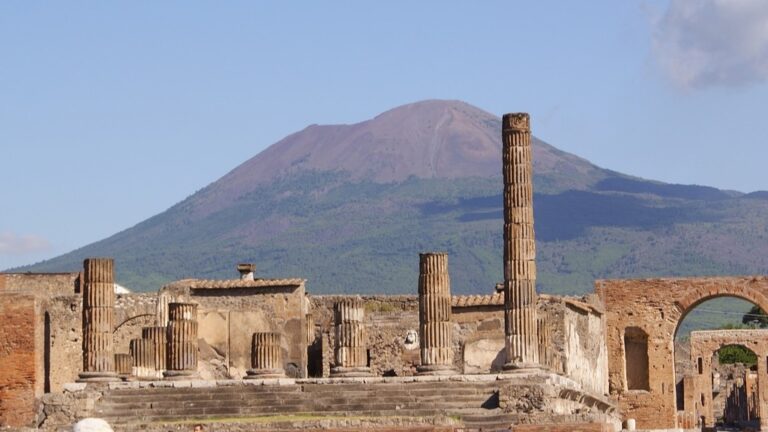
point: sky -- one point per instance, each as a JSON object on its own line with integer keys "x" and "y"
{"x": 111, "y": 112}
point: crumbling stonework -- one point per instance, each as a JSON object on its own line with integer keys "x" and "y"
{"x": 642, "y": 317}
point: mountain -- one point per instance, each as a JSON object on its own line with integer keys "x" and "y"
{"x": 349, "y": 207}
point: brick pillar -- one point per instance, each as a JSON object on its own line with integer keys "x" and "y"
{"x": 98, "y": 320}
{"x": 158, "y": 336}
{"x": 519, "y": 245}
{"x": 143, "y": 354}
{"x": 181, "y": 358}
{"x": 266, "y": 357}
{"x": 351, "y": 353}
{"x": 124, "y": 366}
{"x": 435, "y": 327}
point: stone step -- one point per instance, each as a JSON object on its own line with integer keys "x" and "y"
{"x": 145, "y": 419}
{"x": 351, "y": 406}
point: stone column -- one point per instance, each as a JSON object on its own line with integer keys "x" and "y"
{"x": 124, "y": 366}
{"x": 519, "y": 244}
{"x": 143, "y": 354}
{"x": 310, "y": 321}
{"x": 266, "y": 357}
{"x": 98, "y": 320}
{"x": 435, "y": 327}
{"x": 351, "y": 354}
{"x": 158, "y": 337}
{"x": 181, "y": 359}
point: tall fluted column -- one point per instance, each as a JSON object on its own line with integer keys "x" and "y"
{"x": 351, "y": 353}
{"x": 435, "y": 327}
{"x": 181, "y": 361}
{"x": 519, "y": 244}
{"x": 98, "y": 320}
{"x": 158, "y": 336}
{"x": 266, "y": 357}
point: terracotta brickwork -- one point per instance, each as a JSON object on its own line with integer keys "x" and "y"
{"x": 18, "y": 360}
{"x": 655, "y": 308}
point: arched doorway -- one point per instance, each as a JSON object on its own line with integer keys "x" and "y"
{"x": 656, "y": 307}
{"x": 746, "y": 349}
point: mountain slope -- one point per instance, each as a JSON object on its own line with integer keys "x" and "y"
{"x": 350, "y": 206}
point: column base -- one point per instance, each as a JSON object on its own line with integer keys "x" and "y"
{"x": 179, "y": 375}
{"x": 86, "y": 377}
{"x": 264, "y": 373}
{"x": 520, "y": 367}
{"x": 425, "y": 370}
{"x": 343, "y": 372}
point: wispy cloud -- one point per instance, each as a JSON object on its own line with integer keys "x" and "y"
{"x": 704, "y": 43}
{"x": 13, "y": 244}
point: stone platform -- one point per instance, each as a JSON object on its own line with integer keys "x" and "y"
{"x": 455, "y": 402}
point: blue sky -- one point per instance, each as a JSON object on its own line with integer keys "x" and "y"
{"x": 112, "y": 112}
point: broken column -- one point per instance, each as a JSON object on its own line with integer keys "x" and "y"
{"x": 181, "y": 354}
{"x": 143, "y": 354}
{"x": 519, "y": 244}
{"x": 435, "y": 327}
{"x": 124, "y": 366}
{"x": 351, "y": 354}
{"x": 266, "y": 357}
{"x": 98, "y": 320}
{"x": 158, "y": 337}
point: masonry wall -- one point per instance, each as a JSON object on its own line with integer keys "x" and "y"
{"x": 42, "y": 284}
{"x": 21, "y": 370}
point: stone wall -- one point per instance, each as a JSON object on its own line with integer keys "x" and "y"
{"x": 43, "y": 284}
{"x": 21, "y": 368}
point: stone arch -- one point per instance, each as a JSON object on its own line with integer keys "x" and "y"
{"x": 695, "y": 297}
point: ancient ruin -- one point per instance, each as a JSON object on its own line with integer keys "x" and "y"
{"x": 435, "y": 326}
{"x": 248, "y": 353}
{"x": 351, "y": 351}
{"x": 519, "y": 244}
{"x": 266, "y": 357}
{"x": 98, "y": 320}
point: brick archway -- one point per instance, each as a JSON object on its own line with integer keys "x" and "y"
{"x": 704, "y": 344}
{"x": 657, "y": 306}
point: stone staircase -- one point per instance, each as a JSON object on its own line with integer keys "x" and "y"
{"x": 475, "y": 403}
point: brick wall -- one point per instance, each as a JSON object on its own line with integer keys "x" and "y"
{"x": 18, "y": 361}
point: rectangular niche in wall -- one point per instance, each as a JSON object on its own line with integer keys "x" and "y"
{"x": 636, "y": 358}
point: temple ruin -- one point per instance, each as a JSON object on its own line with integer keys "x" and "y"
{"x": 247, "y": 353}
